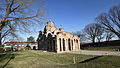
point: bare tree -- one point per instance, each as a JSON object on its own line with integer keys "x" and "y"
{"x": 111, "y": 20}
{"x": 100, "y": 34}
{"x": 109, "y": 35}
{"x": 81, "y": 34}
{"x": 93, "y": 31}
{"x": 20, "y": 16}
{"x": 31, "y": 39}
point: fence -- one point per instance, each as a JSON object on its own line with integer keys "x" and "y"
{"x": 99, "y": 44}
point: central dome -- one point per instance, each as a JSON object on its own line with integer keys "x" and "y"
{"x": 50, "y": 23}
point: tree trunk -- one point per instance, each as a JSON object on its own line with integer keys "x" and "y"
{"x": 1, "y": 27}
{"x": 116, "y": 33}
{"x": 0, "y": 42}
{"x": 93, "y": 40}
{"x": 0, "y": 38}
{"x": 119, "y": 36}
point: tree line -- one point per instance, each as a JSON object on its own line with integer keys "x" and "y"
{"x": 106, "y": 27}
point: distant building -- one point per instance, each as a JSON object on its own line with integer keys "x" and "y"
{"x": 20, "y": 45}
{"x": 56, "y": 40}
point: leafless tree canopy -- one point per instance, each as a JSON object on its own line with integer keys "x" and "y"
{"x": 111, "y": 20}
{"x": 31, "y": 39}
{"x": 81, "y": 35}
{"x": 20, "y": 16}
{"x": 93, "y": 31}
{"x": 109, "y": 35}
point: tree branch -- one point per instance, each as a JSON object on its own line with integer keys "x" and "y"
{"x": 11, "y": 5}
{"x": 15, "y": 8}
{"x": 22, "y": 17}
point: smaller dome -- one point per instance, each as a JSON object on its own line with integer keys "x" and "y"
{"x": 61, "y": 29}
{"x": 50, "y": 23}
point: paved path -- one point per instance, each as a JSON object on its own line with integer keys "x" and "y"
{"x": 87, "y": 52}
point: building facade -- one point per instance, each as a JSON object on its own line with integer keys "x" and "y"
{"x": 56, "y": 40}
{"x": 21, "y": 45}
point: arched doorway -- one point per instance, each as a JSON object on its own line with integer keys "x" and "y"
{"x": 77, "y": 44}
{"x": 49, "y": 46}
{"x": 72, "y": 44}
{"x": 60, "y": 44}
{"x": 69, "y": 45}
{"x": 34, "y": 47}
{"x": 53, "y": 45}
{"x": 63, "y": 44}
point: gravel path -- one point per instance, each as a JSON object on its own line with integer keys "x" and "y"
{"x": 87, "y": 52}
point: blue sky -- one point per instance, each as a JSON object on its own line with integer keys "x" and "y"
{"x": 74, "y": 15}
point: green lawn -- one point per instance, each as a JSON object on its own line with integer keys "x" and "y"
{"x": 107, "y": 48}
{"x": 39, "y": 59}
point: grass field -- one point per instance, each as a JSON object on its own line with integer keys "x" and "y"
{"x": 107, "y": 48}
{"x": 39, "y": 59}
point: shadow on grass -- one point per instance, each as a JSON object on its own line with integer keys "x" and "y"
{"x": 6, "y": 55}
{"x": 2, "y": 55}
{"x": 12, "y": 57}
{"x": 88, "y": 60}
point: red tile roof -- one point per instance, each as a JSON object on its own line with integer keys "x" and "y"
{"x": 20, "y": 42}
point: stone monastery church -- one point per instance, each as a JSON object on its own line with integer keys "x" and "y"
{"x": 56, "y": 40}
